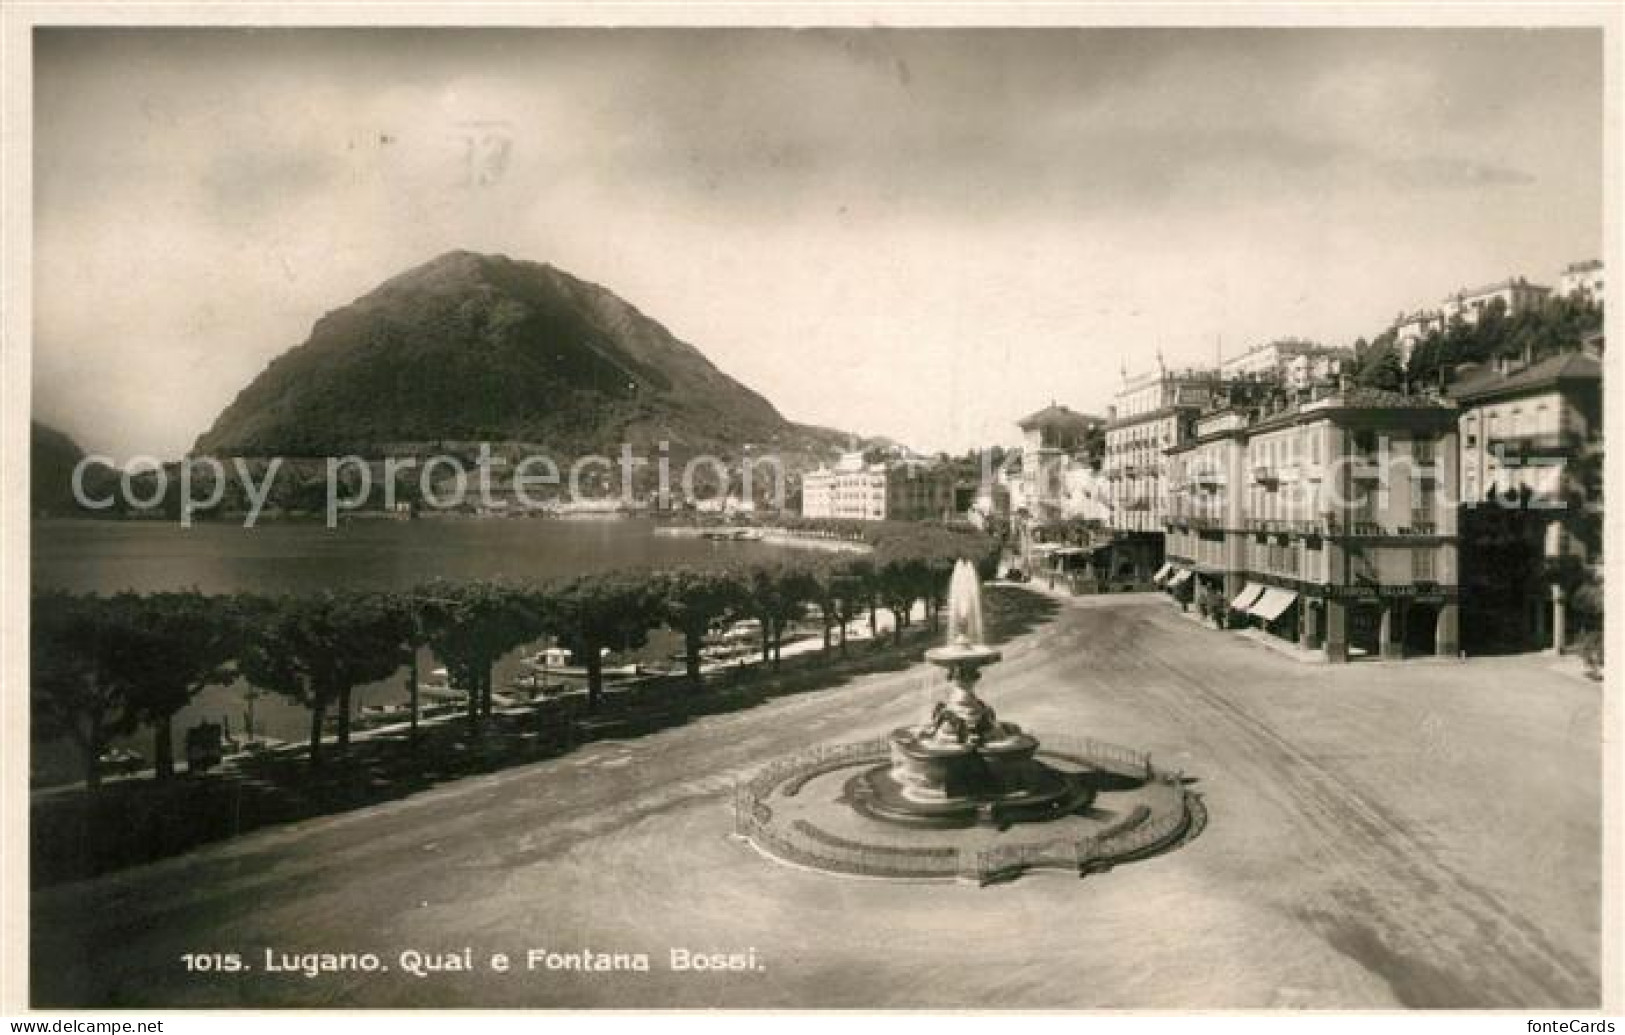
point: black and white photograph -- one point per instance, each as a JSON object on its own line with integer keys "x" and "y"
{"x": 1061, "y": 508}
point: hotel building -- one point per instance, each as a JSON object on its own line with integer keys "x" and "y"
{"x": 1150, "y": 414}
{"x": 1327, "y": 522}
{"x": 1522, "y": 431}
{"x": 855, "y": 489}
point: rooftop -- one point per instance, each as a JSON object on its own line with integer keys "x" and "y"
{"x": 1055, "y": 415}
{"x": 1500, "y": 285}
{"x": 1565, "y": 366}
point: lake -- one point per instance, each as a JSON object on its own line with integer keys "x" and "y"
{"x": 109, "y": 556}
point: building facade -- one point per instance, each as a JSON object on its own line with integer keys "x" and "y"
{"x": 1294, "y": 364}
{"x": 1327, "y": 522}
{"x": 1582, "y": 278}
{"x": 855, "y": 489}
{"x": 1524, "y": 432}
{"x": 1057, "y": 445}
{"x": 1514, "y": 295}
{"x": 1150, "y": 414}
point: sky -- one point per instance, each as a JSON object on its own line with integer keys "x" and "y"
{"x": 924, "y": 234}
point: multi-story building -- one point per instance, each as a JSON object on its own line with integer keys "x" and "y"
{"x": 883, "y": 491}
{"x": 1325, "y": 521}
{"x": 1206, "y": 517}
{"x": 1582, "y": 278}
{"x": 1150, "y": 414}
{"x": 1294, "y": 364}
{"x": 1411, "y": 328}
{"x": 1055, "y": 440}
{"x": 1522, "y": 431}
{"x": 1514, "y": 295}
{"x": 1520, "y": 427}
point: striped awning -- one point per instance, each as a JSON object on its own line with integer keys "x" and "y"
{"x": 1273, "y": 603}
{"x": 1163, "y": 572}
{"x": 1247, "y": 597}
{"x": 1180, "y": 578}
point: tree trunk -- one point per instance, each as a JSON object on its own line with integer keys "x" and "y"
{"x": 163, "y": 747}
{"x": 91, "y": 746}
{"x": 595, "y": 678}
{"x": 412, "y": 691}
{"x": 874, "y": 631}
{"x": 485, "y": 687}
{"x": 693, "y": 640}
{"x": 898, "y": 617}
{"x": 473, "y": 701}
{"x": 843, "y": 634}
{"x": 344, "y": 721}
{"x": 318, "y": 712}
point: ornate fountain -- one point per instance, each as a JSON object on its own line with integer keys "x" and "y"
{"x": 963, "y": 765}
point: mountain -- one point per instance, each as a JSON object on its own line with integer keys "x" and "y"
{"x": 53, "y": 456}
{"x": 483, "y": 348}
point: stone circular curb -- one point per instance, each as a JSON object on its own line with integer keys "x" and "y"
{"x": 1166, "y": 816}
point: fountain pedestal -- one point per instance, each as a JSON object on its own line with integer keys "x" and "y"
{"x": 963, "y": 765}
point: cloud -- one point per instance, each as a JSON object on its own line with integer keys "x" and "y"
{"x": 945, "y": 209}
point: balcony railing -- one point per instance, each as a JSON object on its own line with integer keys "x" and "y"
{"x": 1286, "y": 526}
{"x": 1556, "y": 443}
{"x": 1265, "y": 475}
{"x": 1363, "y": 466}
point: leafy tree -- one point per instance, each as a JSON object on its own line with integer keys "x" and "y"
{"x": 592, "y": 612}
{"x": 75, "y": 642}
{"x": 691, "y": 601}
{"x": 470, "y": 625}
{"x": 1381, "y": 369}
{"x": 776, "y": 594}
{"x": 179, "y": 644}
{"x": 315, "y": 650}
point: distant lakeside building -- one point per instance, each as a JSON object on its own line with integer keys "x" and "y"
{"x": 884, "y": 490}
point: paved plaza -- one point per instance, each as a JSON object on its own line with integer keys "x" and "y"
{"x": 1420, "y": 834}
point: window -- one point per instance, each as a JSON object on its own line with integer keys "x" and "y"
{"x": 1422, "y": 565}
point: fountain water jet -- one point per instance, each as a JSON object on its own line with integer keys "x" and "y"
{"x": 963, "y": 765}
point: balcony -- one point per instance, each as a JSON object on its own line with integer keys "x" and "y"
{"x": 1550, "y": 444}
{"x": 1208, "y": 479}
{"x": 1364, "y": 467}
{"x": 1366, "y": 529}
{"x": 1267, "y": 476}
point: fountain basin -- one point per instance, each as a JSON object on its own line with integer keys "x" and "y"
{"x": 999, "y": 781}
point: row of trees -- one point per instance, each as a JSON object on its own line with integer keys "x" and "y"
{"x": 105, "y": 666}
